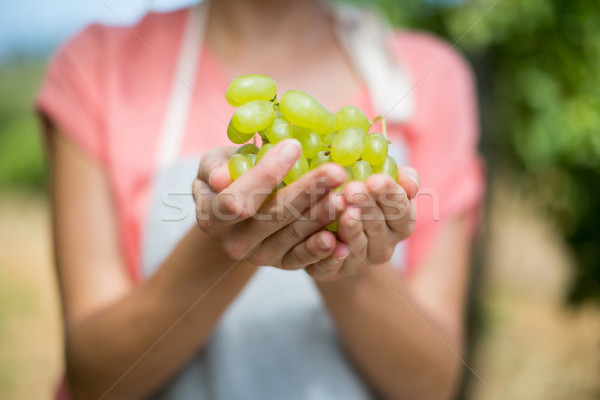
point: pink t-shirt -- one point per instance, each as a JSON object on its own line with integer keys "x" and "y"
{"x": 107, "y": 88}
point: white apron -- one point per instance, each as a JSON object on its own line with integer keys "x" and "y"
{"x": 276, "y": 340}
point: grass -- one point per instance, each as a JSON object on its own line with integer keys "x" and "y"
{"x": 22, "y": 164}
{"x": 22, "y": 169}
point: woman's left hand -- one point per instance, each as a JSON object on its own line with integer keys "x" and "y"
{"x": 378, "y": 215}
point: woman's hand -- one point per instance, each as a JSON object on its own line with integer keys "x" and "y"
{"x": 283, "y": 229}
{"x": 378, "y": 215}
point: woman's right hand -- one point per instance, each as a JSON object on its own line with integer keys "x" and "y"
{"x": 282, "y": 229}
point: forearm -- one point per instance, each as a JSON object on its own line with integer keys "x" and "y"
{"x": 401, "y": 351}
{"x": 134, "y": 346}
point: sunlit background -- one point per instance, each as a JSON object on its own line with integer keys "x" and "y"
{"x": 535, "y": 315}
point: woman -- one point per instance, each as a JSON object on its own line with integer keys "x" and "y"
{"x": 159, "y": 304}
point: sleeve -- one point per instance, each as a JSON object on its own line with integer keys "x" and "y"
{"x": 71, "y": 97}
{"x": 443, "y": 139}
{"x": 450, "y": 148}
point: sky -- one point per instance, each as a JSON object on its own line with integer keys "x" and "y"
{"x": 37, "y": 27}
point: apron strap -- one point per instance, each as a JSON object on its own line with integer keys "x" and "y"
{"x": 361, "y": 35}
{"x": 182, "y": 87}
{"x": 364, "y": 40}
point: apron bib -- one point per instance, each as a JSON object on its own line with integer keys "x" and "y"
{"x": 275, "y": 341}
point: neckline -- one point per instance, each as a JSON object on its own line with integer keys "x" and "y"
{"x": 223, "y": 81}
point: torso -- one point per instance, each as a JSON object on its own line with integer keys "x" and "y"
{"x": 316, "y": 63}
{"x": 133, "y": 78}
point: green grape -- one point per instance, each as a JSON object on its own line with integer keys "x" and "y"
{"x": 263, "y": 150}
{"x": 351, "y": 116}
{"x": 329, "y": 138}
{"x": 230, "y": 99}
{"x": 340, "y": 189}
{"x": 239, "y": 165}
{"x": 388, "y": 167}
{"x": 323, "y": 122}
{"x": 247, "y": 149}
{"x": 321, "y": 158}
{"x": 253, "y": 116}
{"x": 252, "y": 158}
{"x": 361, "y": 170}
{"x": 246, "y": 88}
{"x": 310, "y": 141}
{"x": 349, "y": 174}
{"x": 348, "y": 145}
{"x": 376, "y": 149}
{"x": 298, "y": 169}
{"x": 236, "y": 136}
{"x": 303, "y": 110}
{"x": 332, "y": 227}
{"x": 279, "y": 129}
{"x": 277, "y": 113}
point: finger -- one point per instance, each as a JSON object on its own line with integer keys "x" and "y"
{"x": 379, "y": 236}
{"x": 245, "y": 195}
{"x": 350, "y": 231}
{"x": 274, "y": 247}
{"x": 350, "y": 228}
{"x": 394, "y": 204}
{"x": 408, "y": 178}
{"x": 217, "y": 213}
{"x": 230, "y": 205}
{"x": 306, "y": 191}
{"x": 213, "y": 167}
{"x": 291, "y": 202}
{"x": 203, "y": 195}
{"x": 329, "y": 268}
{"x": 312, "y": 250}
{"x": 220, "y": 179}
{"x": 211, "y": 216}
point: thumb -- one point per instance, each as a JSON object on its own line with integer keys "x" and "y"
{"x": 408, "y": 178}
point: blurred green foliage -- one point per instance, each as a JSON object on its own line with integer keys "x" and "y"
{"x": 538, "y": 69}
{"x": 22, "y": 163}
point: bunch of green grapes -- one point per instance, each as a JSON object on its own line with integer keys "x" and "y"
{"x": 342, "y": 137}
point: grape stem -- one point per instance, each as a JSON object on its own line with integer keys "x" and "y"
{"x": 263, "y": 137}
{"x": 383, "y": 125}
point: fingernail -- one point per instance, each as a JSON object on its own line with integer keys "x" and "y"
{"x": 211, "y": 176}
{"x": 337, "y": 173}
{"x": 290, "y": 152}
{"x": 323, "y": 243}
{"x": 412, "y": 174}
{"x": 354, "y": 213}
{"x": 344, "y": 253}
{"x": 379, "y": 185}
{"x": 339, "y": 202}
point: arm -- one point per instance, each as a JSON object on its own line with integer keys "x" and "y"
{"x": 395, "y": 351}
{"x": 405, "y": 335}
{"x": 110, "y": 324}
{"x": 128, "y": 340}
